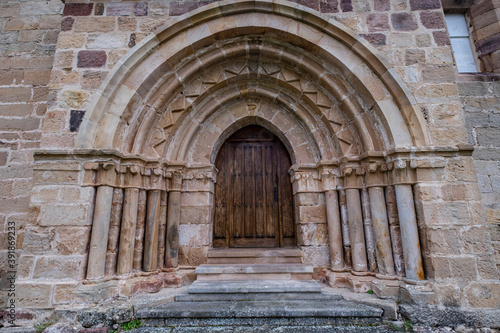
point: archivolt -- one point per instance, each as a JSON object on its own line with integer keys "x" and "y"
{"x": 164, "y": 90}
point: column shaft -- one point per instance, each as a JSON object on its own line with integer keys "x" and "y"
{"x": 356, "y": 231}
{"x": 173, "y": 219}
{"x": 139, "y": 230}
{"x": 100, "y": 230}
{"x": 381, "y": 231}
{"x": 150, "y": 259}
{"x": 334, "y": 230}
{"x": 127, "y": 234}
{"x": 368, "y": 224}
{"x": 409, "y": 232}
{"x": 345, "y": 229}
{"x": 114, "y": 232}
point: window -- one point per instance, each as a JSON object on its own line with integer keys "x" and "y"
{"x": 460, "y": 43}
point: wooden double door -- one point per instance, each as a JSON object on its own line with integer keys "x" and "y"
{"x": 253, "y": 193}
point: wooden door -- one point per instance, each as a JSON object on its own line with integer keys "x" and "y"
{"x": 253, "y": 193}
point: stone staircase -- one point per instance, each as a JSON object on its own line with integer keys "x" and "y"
{"x": 259, "y": 290}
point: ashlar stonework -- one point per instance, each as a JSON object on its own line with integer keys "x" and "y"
{"x": 113, "y": 115}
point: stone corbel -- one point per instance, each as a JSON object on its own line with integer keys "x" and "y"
{"x": 131, "y": 177}
{"x": 106, "y": 174}
{"x": 90, "y": 173}
{"x": 330, "y": 178}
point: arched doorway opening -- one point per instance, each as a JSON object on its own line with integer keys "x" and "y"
{"x": 253, "y": 193}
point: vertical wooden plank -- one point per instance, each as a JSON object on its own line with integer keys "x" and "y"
{"x": 114, "y": 232}
{"x": 280, "y": 208}
{"x": 230, "y": 192}
{"x": 259, "y": 192}
{"x": 248, "y": 190}
{"x": 220, "y": 196}
{"x": 270, "y": 182}
{"x": 139, "y": 231}
{"x": 238, "y": 184}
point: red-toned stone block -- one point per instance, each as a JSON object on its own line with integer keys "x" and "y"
{"x": 67, "y": 23}
{"x": 329, "y": 6}
{"x": 119, "y": 9}
{"x": 425, "y": 4}
{"x": 375, "y": 39}
{"x": 179, "y": 8}
{"x": 404, "y": 22}
{"x": 140, "y": 8}
{"x": 441, "y": 38}
{"x": 346, "y": 5}
{"x": 377, "y": 22}
{"x": 314, "y": 4}
{"x": 432, "y": 20}
{"x": 91, "y": 59}
{"x": 382, "y": 5}
{"x": 78, "y": 9}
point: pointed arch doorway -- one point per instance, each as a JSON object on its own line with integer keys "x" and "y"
{"x": 253, "y": 193}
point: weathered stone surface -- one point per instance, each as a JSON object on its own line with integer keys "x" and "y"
{"x": 78, "y": 9}
{"x": 105, "y": 316}
{"x": 91, "y": 59}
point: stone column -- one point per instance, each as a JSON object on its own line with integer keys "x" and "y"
{"x": 409, "y": 232}
{"x": 162, "y": 230}
{"x": 173, "y": 220}
{"x": 368, "y": 224}
{"x": 139, "y": 230}
{"x": 345, "y": 229}
{"x": 334, "y": 231}
{"x": 150, "y": 259}
{"x": 114, "y": 232}
{"x": 127, "y": 234}
{"x": 392, "y": 214}
{"x": 356, "y": 231}
{"x": 381, "y": 230}
{"x": 100, "y": 230}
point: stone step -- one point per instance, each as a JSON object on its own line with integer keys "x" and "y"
{"x": 254, "y": 256}
{"x": 254, "y": 286}
{"x": 253, "y": 271}
{"x": 189, "y": 311}
{"x": 319, "y": 297}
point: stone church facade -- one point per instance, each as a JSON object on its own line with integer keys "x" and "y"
{"x": 134, "y": 136}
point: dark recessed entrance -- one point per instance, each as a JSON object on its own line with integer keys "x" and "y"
{"x": 253, "y": 193}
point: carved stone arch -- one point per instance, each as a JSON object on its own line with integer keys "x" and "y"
{"x": 129, "y": 83}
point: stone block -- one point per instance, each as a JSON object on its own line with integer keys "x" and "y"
{"x": 312, "y": 214}
{"x": 88, "y": 59}
{"x": 141, "y": 8}
{"x": 196, "y": 214}
{"x": 94, "y": 293}
{"x": 64, "y": 59}
{"x": 438, "y": 73}
{"x": 15, "y": 94}
{"x": 441, "y": 38}
{"x": 68, "y": 215}
{"x": 34, "y": 296}
{"x": 376, "y": 39}
{"x": 64, "y": 293}
{"x": 382, "y": 5}
{"x": 432, "y": 20}
{"x": 310, "y": 199}
{"x": 475, "y": 240}
{"x": 312, "y": 234}
{"x": 425, "y": 4}
{"x": 118, "y": 9}
{"x": 415, "y": 56}
{"x": 38, "y": 240}
{"x": 487, "y": 268}
{"x": 195, "y": 235}
{"x": 70, "y": 41}
{"x": 58, "y": 268}
{"x": 67, "y": 23}
{"x": 329, "y": 6}
{"x": 22, "y": 23}
{"x": 78, "y": 9}
{"x": 346, "y": 5}
{"x": 75, "y": 120}
{"x": 483, "y": 294}
{"x": 127, "y": 23}
{"x": 377, "y": 22}
{"x": 488, "y": 136}
{"x": 94, "y": 24}
{"x": 192, "y": 256}
{"x": 404, "y": 21}
{"x": 316, "y": 255}
{"x": 106, "y": 41}
{"x": 36, "y": 77}
{"x": 70, "y": 241}
{"x": 179, "y": 8}
{"x": 442, "y": 241}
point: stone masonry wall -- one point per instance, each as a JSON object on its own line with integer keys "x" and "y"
{"x": 28, "y": 36}
{"x": 482, "y": 114}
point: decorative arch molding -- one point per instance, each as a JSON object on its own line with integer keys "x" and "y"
{"x": 351, "y": 74}
{"x": 349, "y": 123}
